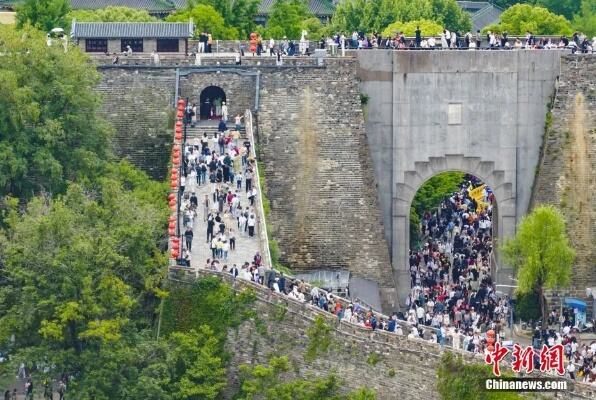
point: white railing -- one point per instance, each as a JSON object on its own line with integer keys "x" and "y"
{"x": 261, "y": 221}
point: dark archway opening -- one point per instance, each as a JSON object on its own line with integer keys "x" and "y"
{"x": 212, "y": 98}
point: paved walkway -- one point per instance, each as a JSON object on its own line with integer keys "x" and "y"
{"x": 246, "y": 247}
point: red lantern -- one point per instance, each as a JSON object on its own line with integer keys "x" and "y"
{"x": 178, "y": 124}
{"x": 176, "y": 151}
{"x": 178, "y": 136}
{"x": 176, "y": 245}
{"x": 171, "y": 197}
{"x": 178, "y": 129}
{"x": 180, "y": 114}
{"x": 181, "y": 108}
{"x": 174, "y": 170}
{"x": 176, "y": 160}
{"x": 171, "y": 232}
{"x": 173, "y": 208}
{"x": 181, "y": 101}
{"x": 172, "y": 203}
{"x": 172, "y": 225}
{"x": 174, "y": 253}
{"x": 173, "y": 184}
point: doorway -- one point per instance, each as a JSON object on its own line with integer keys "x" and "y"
{"x": 212, "y": 98}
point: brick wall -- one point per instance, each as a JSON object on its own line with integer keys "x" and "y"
{"x": 566, "y": 174}
{"x": 404, "y": 368}
{"x": 137, "y": 103}
{"x": 324, "y": 208}
{"x": 239, "y": 89}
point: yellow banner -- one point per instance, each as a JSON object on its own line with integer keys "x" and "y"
{"x": 477, "y": 193}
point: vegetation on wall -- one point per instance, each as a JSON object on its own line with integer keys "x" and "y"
{"x": 265, "y": 382}
{"x": 319, "y": 338}
{"x": 456, "y": 380}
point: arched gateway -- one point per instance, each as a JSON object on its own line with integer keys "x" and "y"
{"x": 211, "y": 100}
{"x": 407, "y": 186}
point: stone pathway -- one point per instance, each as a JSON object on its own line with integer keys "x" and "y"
{"x": 246, "y": 246}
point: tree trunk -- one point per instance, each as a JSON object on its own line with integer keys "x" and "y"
{"x": 543, "y": 309}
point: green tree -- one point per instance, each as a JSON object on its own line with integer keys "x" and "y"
{"x": 286, "y": 19}
{"x": 566, "y": 8}
{"x": 427, "y": 28}
{"x": 456, "y": 380}
{"x": 112, "y": 14}
{"x": 585, "y": 20}
{"x": 49, "y": 129}
{"x": 522, "y": 18}
{"x": 264, "y": 382}
{"x": 206, "y": 19}
{"x": 376, "y": 15}
{"x": 85, "y": 273}
{"x": 239, "y": 14}
{"x": 540, "y": 253}
{"x": 43, "y": 14}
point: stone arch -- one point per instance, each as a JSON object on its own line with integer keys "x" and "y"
{"x": 206, "y": 100}
{"x": 412, "y": 179}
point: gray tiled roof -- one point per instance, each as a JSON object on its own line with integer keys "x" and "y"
{"x": 149, "y": 5}
{"x": 320, "y": 8}
{"x": 131, "y": 30}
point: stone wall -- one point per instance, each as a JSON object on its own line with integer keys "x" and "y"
{"x": 324, "y": 208}
{"x": 238, "y": 86}
{"x": 138, "y": 103}
{"x": 394, "y": 366}
{"x": 479, "y": 112}
{"x": 565, "y": 176}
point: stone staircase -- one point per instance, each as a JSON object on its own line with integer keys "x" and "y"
{"x": 209, "y": 129}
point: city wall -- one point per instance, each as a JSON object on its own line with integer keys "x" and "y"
{"x": 337, "y": 179}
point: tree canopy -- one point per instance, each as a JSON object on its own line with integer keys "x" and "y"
{"x": 427, "y": 28}
{"x": 49, "y": 129}
{"x": 206, "y": 19}
{"x": 286, "y": 19}
{"x": 238, "y": 14}
{"x": 43, "y": 14}
{"x": 112, "y": 14}
{"x": 585, "y": 20}
{"x": 566, "y": 8}
{"x": 540, "y": 253}
{"x": 522, "y": 18}
{"x": 376, "y": 15}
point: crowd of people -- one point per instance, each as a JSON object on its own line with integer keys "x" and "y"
{"x": 453, "y": 300}
{"x": 461, "y": 41}
{"x": 223, "y": 163}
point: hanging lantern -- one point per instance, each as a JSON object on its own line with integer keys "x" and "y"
{"x": 173, "y": 208}
{"x": 174, "y": 253}
{"x": 178, "y": 124}
{"x": 178, "y": 136}
{"x": 175, "y": 246}
{"x": 178, "y": 129}
{"x": 174, "y": 177}
{"x": 172, "y": 225}
{"x": 173, "y": 184}
{"x": 180, "y": 114}
{"x": 172, "y": 203}
{"x": 172, "y": 232}
{"x": 171, "y": 197}
{"x": 176, "y": 150}
{"x": 181, "y": 108}
{"x": 181, "y": 101}
{"x": 176, "y": 160}
{"x": 174, "y": 170}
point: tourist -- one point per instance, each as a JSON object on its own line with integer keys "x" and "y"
{"x": 155, "y": 58}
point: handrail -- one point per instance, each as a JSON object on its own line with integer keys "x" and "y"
{"x": 262, "y": 223}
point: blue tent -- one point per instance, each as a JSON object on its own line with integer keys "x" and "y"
{"x": 575, "y": 303}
